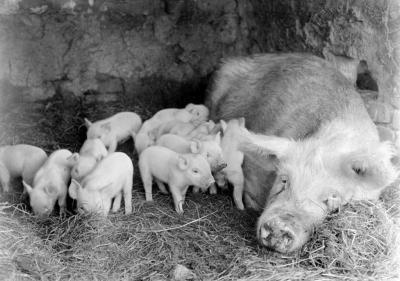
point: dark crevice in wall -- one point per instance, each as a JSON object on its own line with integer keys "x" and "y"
{"x": 365, "y": 81}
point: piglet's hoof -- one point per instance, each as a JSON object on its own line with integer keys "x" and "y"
{"x": 333, "y": 202}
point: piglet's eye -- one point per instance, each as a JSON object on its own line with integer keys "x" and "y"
{"x": 284, "y": 179}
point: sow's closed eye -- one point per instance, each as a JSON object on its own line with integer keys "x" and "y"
{"x": 281, "y": 185}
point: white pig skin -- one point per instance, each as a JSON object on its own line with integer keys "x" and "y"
{"x": 201, "y": 130}
{"x": 50, "y": 184}
{"x": 174, "y": 127}
{"x": 21, "y": 160}
{"x": 111, "y": 179}
{"x": 179, "y": 171}
{"x": 114, "y": 129}
{"x": 179, "y": 144}
{"x": 91, "y": 152}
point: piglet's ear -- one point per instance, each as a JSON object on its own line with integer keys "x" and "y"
{"x": 373, "y": 169}
{"x": 242, "y": 122}
{"x": 106, "y": 126}
{"x": 153, "y": 134}
{"x": 183, "y": 162}
{"x": 73, "y": 159}
{"x": 195, "y": 146}
{"x": 49, "y": 190}
{"x": 211, "y": 124}
{"x": 73, "y": 189}
{"x": 189, "y": 107}
{"x": 264, "y": 146}
{"x": 217, "y": 128}
{"x": 223, "y": 125}
{"x": 88, "y": 123}
{"x": 27, "y": 187}
{"x": 218, "y": 138}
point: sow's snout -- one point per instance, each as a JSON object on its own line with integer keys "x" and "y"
{"x": 283, "y": 234}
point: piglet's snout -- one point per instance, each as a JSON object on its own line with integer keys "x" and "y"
{"x": 209, "y": 182}
{"x": 221, "y": 166}
{"x": 277, "y": 234}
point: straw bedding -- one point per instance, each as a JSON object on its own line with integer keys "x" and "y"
{"x": 213, "y": 240}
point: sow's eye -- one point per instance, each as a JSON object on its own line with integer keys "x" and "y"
{"x": 282, "y": 184}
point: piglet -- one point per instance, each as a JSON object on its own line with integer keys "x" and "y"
{"x": 179, "y": 171}
{"x": 234, "y": 157}
{"x": 114, "y": 129}
{"x": 21, "y": 160}
{"x": 91, "y": 152}
{"x": 149, "y": 132}
{"x": 210, "y": 149}
{"x": 112, "y": 178}
{"x": 50, "y": 184}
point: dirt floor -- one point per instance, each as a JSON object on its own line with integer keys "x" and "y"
{"x": 212, "y": 239}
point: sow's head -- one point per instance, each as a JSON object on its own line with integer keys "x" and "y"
{"x": 313, "y": 177}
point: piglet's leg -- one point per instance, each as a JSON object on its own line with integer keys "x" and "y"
{"x": 161, "y": 186}
{"x": 5, "y": 178}
{"x": 333, "y": 202}
{"x": 237, "y": 179}
{"x": 113, "y": 146}
{"x": 62, "y": 202}
{"x": 117, "y": 202}
{"x": 128, "y": 195}
{"x": 213, "y": 189}
{"x": 106, "y": 205}
{"x": 178, "y": 199}
{"x": 147, "y": 180}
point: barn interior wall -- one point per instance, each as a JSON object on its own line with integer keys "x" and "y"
{"x": 164, "y": 51}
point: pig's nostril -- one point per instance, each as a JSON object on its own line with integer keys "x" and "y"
{"x": 287, "y": 240}
{"x": 223, "y": 166}
{"x": 265, "y": 234}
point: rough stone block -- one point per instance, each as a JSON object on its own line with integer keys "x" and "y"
{"x": 100, "y": 98}
{"x": 396, "y": 119}
{"x": 379, "y": 112}
{"x": 113, "y": 85}
{"x": 386, "y": 134}
{"x": 395, "y": 100}
{"x": 397, "y": 142}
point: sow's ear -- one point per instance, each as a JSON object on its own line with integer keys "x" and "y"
{"x": 73, "y": 189}
{"x": 264, "y": 146}
{"x": 373, "y": 168}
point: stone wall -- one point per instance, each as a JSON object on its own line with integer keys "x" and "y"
{"x": 165, "y": 50}
{"x": 106, "y": 50}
